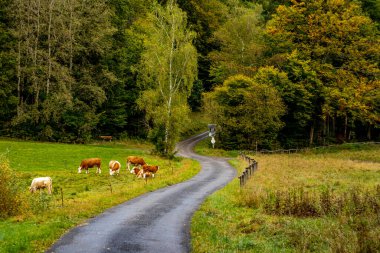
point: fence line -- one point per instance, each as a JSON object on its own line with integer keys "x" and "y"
{"x": 253, "y": 165}
{"x": 248, "y": 172}
{"x": 299, "y": 150}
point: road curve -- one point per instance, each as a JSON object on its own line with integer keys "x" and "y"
{"x": 154, "y": 222}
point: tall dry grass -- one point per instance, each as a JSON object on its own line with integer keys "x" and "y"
{"x": 313, "y": 203}
{"x": 281, "y": 172}
{"x": 335, "y": 187}
{"x": 327, "y": 201}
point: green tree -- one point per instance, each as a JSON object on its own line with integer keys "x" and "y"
{"x": 120, "y": 113}
{"x": 8, "y": 101}
{"x": 204, "y": 17}
{"x": 241, "y": 44}
{"x": 300, "y": 90}
{"x": 169, "y": 67}
{"x": 341, "y": 47}
{"x": 59, "y": 52}
{"x": 269, "y": 6}
{"x": 247, "y": 113}
{"x": 372, "y": 7}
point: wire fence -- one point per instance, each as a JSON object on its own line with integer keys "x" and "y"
{"x": 248, "y": 172}
{"x": 253, "y": 165}
{"x": 301, "y": 150}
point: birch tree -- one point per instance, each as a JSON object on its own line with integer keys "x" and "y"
{"x": 169, "y": 66}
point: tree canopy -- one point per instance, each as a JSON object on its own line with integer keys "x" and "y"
{"x": 73, "y": 70}
{"x": 247, "y": 113}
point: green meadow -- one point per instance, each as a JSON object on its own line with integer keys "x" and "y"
{"x": 326, "y": 200}
{"x": 41, "y": 219}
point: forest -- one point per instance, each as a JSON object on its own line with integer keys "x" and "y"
{"x": 286, "y": 73}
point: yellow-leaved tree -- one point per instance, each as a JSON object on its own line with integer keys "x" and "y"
{"x": 168, "y": 69}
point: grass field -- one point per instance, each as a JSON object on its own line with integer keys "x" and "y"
{"x": 326, "y": 200}
{"x": 42, "y": 219}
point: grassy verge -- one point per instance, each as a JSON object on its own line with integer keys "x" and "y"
{"x": 204, "y": 147}
{"x": 43, "y": 219}
{"x": 314, "y": 202}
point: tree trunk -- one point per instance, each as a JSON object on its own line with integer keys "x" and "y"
{"x": 333, "y": 126}
{"x": 369, "y": 137}
{"x": 167, "y": 125}
{"x": 19, "y": 78}
{"x": 36, "y": 42}
{"x": 324, "y": 130}
{"x": 49, "y": 47}
{"x": 345, "y": 127}
{"x": 311, "y": 135}
{"x": 171, "y": 85}
{"x": 71, "y": 38}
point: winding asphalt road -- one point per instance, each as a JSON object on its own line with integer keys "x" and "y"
{"x": 154, "y": 222}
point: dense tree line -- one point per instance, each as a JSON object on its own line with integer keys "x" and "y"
{"x": 305, "y": 72}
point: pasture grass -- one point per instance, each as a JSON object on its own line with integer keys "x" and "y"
{"x": 43, "y": 218}
{"x": 272, "y": 212}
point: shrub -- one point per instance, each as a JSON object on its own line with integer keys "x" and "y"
{"x": 10, "y": 201}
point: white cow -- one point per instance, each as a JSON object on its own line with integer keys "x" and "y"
{"x": 41, "y": 183}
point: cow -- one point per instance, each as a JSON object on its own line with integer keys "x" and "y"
{"x": 90, "y": 163}
{"x": 147, "y": 174}
{"x": 134, "y": 160}
{"x": 39, "y": 183}
{"x": 150, "y": 168}
{"x": 114, "y": 167}
{"x": 137, "y": 171}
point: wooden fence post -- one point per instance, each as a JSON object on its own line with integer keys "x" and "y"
{"x": 249, "y": 171}
{"x": 61, "y": 197}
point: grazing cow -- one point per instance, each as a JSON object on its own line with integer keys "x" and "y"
{"x": 150, "y": 168}
{"x": 41, "y": 183}
{"x": 90, "y": 163}
{"x": 134, "y": 160}
{"x": 114, "y": 167}
{"x": 137, "y": 171}
{"x": 147, "y": 174}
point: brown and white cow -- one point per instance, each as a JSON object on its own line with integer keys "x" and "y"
{"x": 114, "y": 167}
{"x": 90, "y": 163}
{"x": 137, "y": 171}
{"x": 39, "y": 183}
{"x": 150, "y": 168}
{"x": 135, "y": 160}
{"x": 147, "y": 174}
